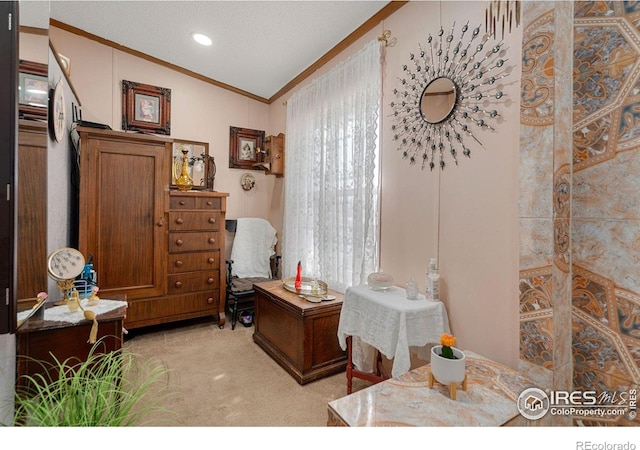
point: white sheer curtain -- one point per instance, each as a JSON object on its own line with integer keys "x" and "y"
{"x": 331, "y": 204}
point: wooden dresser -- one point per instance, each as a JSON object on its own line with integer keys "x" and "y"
{"x": 160, "y": 247}
{"x": 196, "y": 237}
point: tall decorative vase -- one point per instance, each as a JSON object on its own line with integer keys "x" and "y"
{"x": 184, "y": 181}
{"x": 449, "y": 372}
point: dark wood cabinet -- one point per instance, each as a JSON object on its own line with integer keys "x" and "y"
{"x": 40, "y": 342}
{"x": 123, "y": 178}
{"x": 299, "y": 335}
{"x": 158, "y": 246}
{"x": 274, "y": 147}
{"x": 32, "y": 211}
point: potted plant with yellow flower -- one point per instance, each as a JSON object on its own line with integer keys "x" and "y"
{"x": 448, "y": 365}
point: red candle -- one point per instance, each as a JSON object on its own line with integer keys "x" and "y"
{"x": 298, "y": 284}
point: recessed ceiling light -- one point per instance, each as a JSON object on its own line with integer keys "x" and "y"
{"x": 201, "y": 38}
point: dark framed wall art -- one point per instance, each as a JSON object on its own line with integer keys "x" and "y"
{"x": 33, "y": 90}
{"x": 246, "y": 148}
{"x": 146, "y": 108}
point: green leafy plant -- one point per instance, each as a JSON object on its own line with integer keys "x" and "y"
{"x": 107, "y": 389}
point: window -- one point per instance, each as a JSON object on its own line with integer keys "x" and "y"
{"x": 331, "y": 208}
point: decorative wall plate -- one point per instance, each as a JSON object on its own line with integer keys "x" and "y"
{"x": 247, "y": 181}
{"x": 451, "y": 88}
{"x": 58, "y": 112}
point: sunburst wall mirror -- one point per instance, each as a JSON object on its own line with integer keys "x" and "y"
{"x": 450, "y": 91}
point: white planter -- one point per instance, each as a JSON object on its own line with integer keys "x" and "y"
{"x": 445, "y": 370}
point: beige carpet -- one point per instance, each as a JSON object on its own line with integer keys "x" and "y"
{"x": 221, "y": 378}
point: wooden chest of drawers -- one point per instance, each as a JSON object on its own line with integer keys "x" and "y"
{"x": 196, "y": 236}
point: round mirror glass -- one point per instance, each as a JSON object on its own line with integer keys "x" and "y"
{"x": 438, "y": 100}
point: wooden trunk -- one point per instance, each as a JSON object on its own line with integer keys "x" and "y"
{"x": 299, "y": 335}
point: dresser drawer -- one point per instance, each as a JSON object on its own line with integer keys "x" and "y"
{"x": 194, "y": 220}
{"x": 188, "y": 262}
{"x": 205, "y": 280}
{"x": 209, "y": 203}
{"x": 149, "y": 311}
{"x": 193, "y": 242}
{"x": 182, "y": 202}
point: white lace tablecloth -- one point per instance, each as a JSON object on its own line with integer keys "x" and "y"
{"x": 389, "y": 322}
{"x": 63, "y": 314}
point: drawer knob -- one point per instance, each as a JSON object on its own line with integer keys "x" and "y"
{"x": 212, "y": 220}
{"x": 210, "y": 280}
{"x": 178, "y": 284}
{"x": 179, "y": 221}
{"x": 178, "y": 263}
{"x": 210, "y": 300}
{"x": 209, "y": 203}
{"x": 212, "y": 240}
{"x": 179, "y": 242}
{"x": 182, "y": 203}
{"x": 210, "y": 260}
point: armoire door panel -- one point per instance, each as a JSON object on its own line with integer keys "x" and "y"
{"x": 125, "y": 229}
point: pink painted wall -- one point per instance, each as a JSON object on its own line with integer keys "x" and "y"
{"x": 34, "y": 47}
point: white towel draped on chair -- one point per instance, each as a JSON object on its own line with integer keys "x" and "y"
{"x": 253, "y": 245}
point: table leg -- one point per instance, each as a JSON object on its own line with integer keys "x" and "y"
{"x": 375, "y": 377}
{"x": 349, "y": 365}
{"x": 378, "y": 363}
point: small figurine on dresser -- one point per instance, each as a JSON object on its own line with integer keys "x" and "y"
{"x": 93, "y": 300}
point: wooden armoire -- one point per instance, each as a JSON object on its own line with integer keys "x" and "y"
{"x": 133, "y": 225}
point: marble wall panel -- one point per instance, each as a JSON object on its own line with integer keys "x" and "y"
{"x": 536, "y": 242}
{"x": 610, "y": 189}
{"x": 537, "y": 116}
{"x": 562, "y": 187}
{"x": 580, "y": 108}
{"x": 536, "y": 172}
{"x": 562, "y": 339}
{"x": 536, "y": 338}
{"x": 610, "y": 248}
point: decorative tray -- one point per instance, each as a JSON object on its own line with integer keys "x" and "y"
{"x": 310, "y": 286}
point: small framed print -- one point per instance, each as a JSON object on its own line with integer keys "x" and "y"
{"x": 33, "y": 90}
{"x": 245, "y": 148}
{"x": 146, "y": 108}
{"x": 197, "y": 160}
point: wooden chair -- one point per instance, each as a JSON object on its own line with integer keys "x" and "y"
{"x": 240, "y": 294}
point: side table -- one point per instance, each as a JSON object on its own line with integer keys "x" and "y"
{"x": 40, "y": 340}
{"x": 373, "y": 322}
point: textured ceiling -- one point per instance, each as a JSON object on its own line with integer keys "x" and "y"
{"x": 258, "y": 46}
